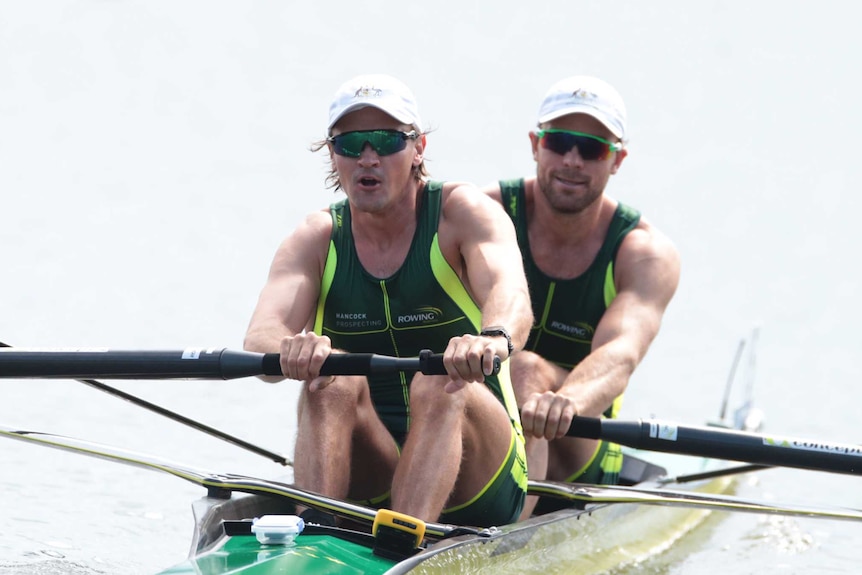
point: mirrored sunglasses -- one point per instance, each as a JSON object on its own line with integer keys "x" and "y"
{"x": 590, "y": 147}
{"x": 384, "y": 142}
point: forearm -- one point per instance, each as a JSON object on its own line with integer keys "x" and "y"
{"x": 268, "y": 328}
{"x": 620, "y": 342}
{"x": 285, "y": 308}
{"x": 600, "y": 378}
{"x": 265, "y": 337}
{"x": 510, "y": 309}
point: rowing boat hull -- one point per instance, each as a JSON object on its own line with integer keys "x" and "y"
{"x": 595, "y": 540}
{"x": 591, "y": 540}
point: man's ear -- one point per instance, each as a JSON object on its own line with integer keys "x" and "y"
{"x": 618, "y": 160}
{"x": 534, "y": 143}
{"x": 419, "y": 153}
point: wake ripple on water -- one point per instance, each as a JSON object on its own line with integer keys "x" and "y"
{"x": 782, "y": 534}
{"x": 56, "y": 566}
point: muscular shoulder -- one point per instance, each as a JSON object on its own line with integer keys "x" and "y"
{"x": 464, "y": 203}
{"x": 315, "y": 228}
{"x": 648, "y": 250}
{"x": 308, "y": 243}
{"x": 648, "y": 240}
{"x": 470, "y": 218}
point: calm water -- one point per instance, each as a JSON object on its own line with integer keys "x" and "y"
{"x": 152, "y": 156}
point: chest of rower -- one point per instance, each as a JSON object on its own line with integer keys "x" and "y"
{"x": 563, "y": 260}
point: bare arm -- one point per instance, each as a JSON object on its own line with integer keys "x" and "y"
{"x": 287, "y": 301}
{"x": 477, "y": 232}
{"x": 647, "y": 275}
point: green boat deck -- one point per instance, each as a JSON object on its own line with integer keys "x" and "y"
{"x": 319, "y": 554}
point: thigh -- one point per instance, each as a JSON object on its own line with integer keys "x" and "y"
{"x": 488, "y": 439}
{"x": 478, "y": 416}
{"x": 373, "y": 454}
{"x": 501, "y": 500}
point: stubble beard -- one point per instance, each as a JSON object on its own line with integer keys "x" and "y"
{"x": 369, "y": 203}
{"x": 567, "y": 201}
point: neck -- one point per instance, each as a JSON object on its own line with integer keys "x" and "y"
{"x": 391, "y": 223}
{"x": 383, "y": 238}
{"x": 564, "y": 245}
{"x": 564, "y": 228}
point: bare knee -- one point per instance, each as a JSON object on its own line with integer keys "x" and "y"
{"x": 340, "y": 397}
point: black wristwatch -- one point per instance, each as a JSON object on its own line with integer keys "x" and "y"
{"x": 498, "y": 330}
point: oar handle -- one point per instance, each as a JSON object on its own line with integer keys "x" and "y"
{"x": 586, "y": 427}
{"x": 367, "y": 364}
{"x": 372, "y": 364}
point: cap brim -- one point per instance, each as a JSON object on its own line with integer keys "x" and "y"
{"x": 615, "y": 130}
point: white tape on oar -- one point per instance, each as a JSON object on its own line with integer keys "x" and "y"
{"x": 197, "y": 352}
{"x": 663, "y": 430}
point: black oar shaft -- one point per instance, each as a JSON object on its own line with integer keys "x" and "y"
{"x": 277, "y": 457}
{"x": 114, "y": 364}
{"x": 723, "y": 444}
{"x": 194, "y": 364}
{"x": 723, "y": 472}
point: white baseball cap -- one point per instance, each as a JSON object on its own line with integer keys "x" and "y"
{"x": 378, "y": 91}
{"x": 585, "y": 95}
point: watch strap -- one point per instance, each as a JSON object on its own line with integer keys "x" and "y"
{"x": 497, "y": 331}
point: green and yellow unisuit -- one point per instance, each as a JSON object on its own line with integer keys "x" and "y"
{"x": 567, "y": 312}
{"x": 421, "y": 306}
